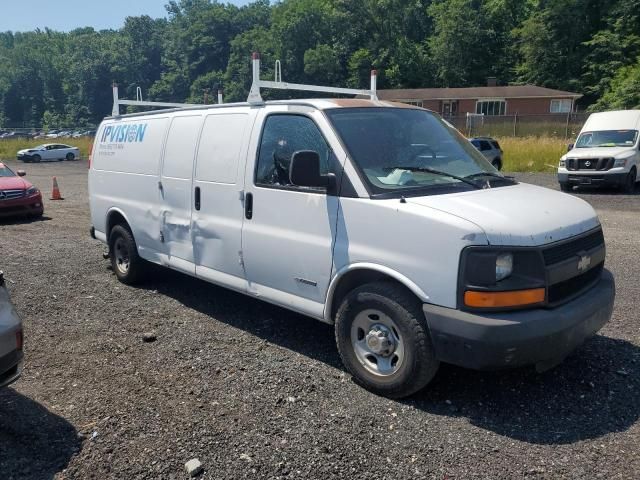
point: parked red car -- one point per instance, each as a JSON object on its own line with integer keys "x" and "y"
{"x": 18, "y": 196}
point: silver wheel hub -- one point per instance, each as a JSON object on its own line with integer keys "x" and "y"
{"x": 377, "y": 343}
{"x": 121, "y": 255}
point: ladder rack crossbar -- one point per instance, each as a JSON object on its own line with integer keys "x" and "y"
{"x": 313, "y": 88}
{"x": 117, "y": 101}
{"x": 155, "y": 104}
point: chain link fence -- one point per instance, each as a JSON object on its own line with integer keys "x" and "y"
{"x": 564, "y": 125}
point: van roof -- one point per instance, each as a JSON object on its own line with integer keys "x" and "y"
{"x": 319, "y": 103}
{"x": 614, "y": 120}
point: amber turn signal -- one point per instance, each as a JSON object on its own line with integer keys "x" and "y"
{"x": 515, "y": 298}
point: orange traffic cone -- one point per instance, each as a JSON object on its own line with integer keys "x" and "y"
{"x": 55, "y": 195}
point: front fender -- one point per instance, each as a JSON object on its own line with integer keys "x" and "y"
{"x": 373, "y": 267}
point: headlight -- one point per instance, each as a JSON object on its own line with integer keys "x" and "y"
{"x": 32, "y": 191}
{"x": 497, "y": 278}
{"x": 504, "y": 266}
{"x": 623, "y": 158}
{"x": 620, "y": 162}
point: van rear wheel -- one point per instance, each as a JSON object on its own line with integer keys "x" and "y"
{"x": 383, "y": 340}
{"x": 125, "y": 261}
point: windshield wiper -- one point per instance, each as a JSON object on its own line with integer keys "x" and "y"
{"x": 491, "y": 174}
{"x": 436, "y": 172}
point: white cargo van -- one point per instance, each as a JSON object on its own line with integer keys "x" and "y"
{"x": 607, "y": 152}
{"x": 376, "y": 217}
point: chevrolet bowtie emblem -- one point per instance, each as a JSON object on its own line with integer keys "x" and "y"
{"x": 584, "y": 263}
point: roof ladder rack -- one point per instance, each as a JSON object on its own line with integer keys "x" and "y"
{"x": 256, "y": 99}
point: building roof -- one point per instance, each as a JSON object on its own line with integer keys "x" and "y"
{"x": 512, "y": 91}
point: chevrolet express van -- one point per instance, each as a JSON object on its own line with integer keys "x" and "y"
{"x": 606, "y": 153}
{"x": 376, "y": 217}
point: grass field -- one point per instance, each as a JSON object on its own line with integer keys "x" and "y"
{"x": 532, "y": 154}
{"x": 529, "y": 154}
{"x": 9, "y": 148}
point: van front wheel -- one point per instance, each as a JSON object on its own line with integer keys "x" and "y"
{"x": 125, "y": 261}
{"x": 630, "y": 181}
{"x": 383, "y": 340}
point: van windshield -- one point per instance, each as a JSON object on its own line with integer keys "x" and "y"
{"x": 607, "y": 138}
{"x": 411, "y": 151}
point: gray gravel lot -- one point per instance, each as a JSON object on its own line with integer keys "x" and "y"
{"x": 255, "y": 391}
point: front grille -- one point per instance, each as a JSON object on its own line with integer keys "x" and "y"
{"x": 595, "y": 164}
{"x": 11, "y": 194}
{"x": 564, "y": 290}
{"x": 571, "y": 248}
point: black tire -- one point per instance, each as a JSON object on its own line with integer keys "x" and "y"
{"x": 37, "y": 158}
{"x": 630, "y": 182}
{"x": 123, "y": 253}
{"x": 418, "y": 364}
{"x": 70, "y": 157}
{"x": 566, "y": 187}
{"x": 497, "y": 164}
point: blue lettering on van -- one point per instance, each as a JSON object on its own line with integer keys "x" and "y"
{"x": 124, "y": 133}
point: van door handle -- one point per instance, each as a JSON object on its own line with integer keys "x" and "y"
{"x": 197, "y": 198}
{"x": 248, "y": 206}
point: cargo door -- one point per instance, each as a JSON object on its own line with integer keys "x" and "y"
{"x": 218, "y": 208}
{"x": 176, "y": 192}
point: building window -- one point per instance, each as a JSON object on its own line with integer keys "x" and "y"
{"x": 491, "y": 107}
{"x": 561, "y": 106}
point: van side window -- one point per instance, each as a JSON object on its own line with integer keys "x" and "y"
{"x": 282, "y": 136}
{"x": 220, "y": 148}
{"x": 180, "y": 148}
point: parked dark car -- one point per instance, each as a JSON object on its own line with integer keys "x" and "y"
{"x": 11, "y": 356}
{"x": 490, "y": 148}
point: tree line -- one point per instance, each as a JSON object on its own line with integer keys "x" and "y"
{"x": 56, "y": 78}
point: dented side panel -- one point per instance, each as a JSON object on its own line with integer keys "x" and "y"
{"x": 124, "y": 177}
{"x": 176, "y": 191}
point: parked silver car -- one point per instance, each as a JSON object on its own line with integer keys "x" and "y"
{"x": 49, "y": 152}
{"x": 490, "y": 148}
{"x": 11, "y": 356}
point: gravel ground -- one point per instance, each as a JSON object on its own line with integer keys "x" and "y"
{"x": 255, "y": 391}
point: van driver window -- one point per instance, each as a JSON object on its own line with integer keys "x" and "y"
{"x": 283, "y": 135}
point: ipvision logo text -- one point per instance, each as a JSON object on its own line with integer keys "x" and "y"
{"x": 124, "y": 133}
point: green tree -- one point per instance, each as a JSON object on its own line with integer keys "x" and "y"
{"x": 624, "y": 90}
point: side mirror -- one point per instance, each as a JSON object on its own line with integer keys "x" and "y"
{"x": 21, "y": 173}
{"x": 569, "y": 147}
{"x": 305, "y": 171}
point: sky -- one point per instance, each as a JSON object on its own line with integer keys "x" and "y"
{"x": 65, "y": 15}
